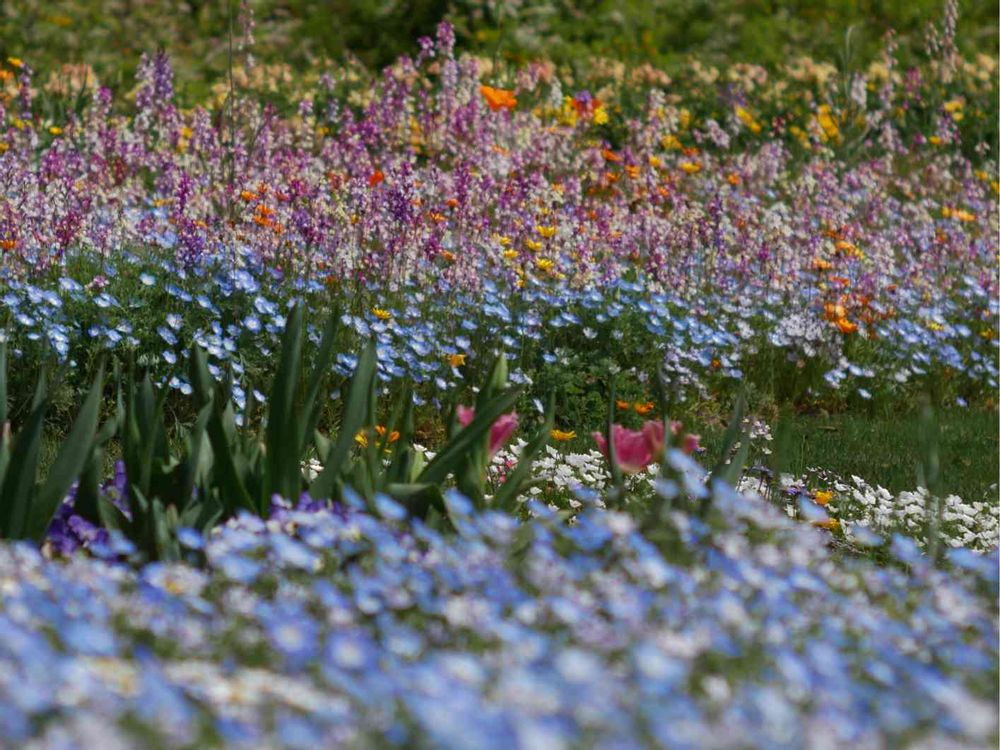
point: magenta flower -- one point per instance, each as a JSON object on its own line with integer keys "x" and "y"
{"x": 500, "y": 431}
{"x": 634, "y": 449}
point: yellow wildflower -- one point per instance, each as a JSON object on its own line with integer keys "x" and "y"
{"x": 561, "y": 436}
{"x": 545, "y": 265}
{"x": 456, "y": 360}
{"x": 747, "y": 119}
{"x": 671, "y": 142}
{"x": 690, "y": 167}
{"x": 15, "y": 62}
{"x": 55, "y": 130}
{"x": 533, "y": 245}
{"x": 830, "y": 524}
{"x": 381, "y": 314}
{"x": 600, "y": 115}
{"x": 831, "y": 131}
{"x": 822, "y": 497}
{"x": 546, "y": 232}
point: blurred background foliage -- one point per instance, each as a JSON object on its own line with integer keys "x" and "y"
{"x": 110, "y": 35}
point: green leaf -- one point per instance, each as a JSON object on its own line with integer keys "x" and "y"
{"x": 734, "y": 432}
{"x": 355, "y": 417}
{"x": 3, "y": 383}
{"x": 233, "y": 493}
{"x": 193, "y": 468}
{"x": 616, "y": 472}
{"x": 451, "y": 456}
{"x": 507, "y": 494}
{"x": 283, "y": 436}
{"x": 72, "y": 457}
{"x": 19, "y": 483}
{"x": 403, "y": 455}
{"x": 312, "y": 407}
{"x": 418, "y": 499}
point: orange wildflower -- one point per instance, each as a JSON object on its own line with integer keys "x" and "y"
{"x": 375, "y": 178}
{"x": 846, "y": 326}
{"x": 497, "y": 99}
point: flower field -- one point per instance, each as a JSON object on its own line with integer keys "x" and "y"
{"x": 465, "y": 402}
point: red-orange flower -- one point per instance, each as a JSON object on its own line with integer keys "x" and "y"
{"x": 497, "y": 99}
{"x": 375, "y": 178}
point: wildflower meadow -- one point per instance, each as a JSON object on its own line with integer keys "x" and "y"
{"x": 499, "y": 375}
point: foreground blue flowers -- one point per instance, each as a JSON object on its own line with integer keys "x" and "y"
{"x": 322, "y": 627}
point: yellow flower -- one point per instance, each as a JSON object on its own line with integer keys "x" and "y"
{"x": 544, "y": 265}
{"x": 55, "y": 130}
{"x": 747, "y": 119}
{"x": 830, "y": 524}
{"x": 381, "y": 314}
{"x": 533, "y": 245}
{"x": 456, "y": 360}
{"x": 504, "y": 241}
{"x": 568, "y": 115}
{"x": 691, "y": 167}
{"x": 963, "y": 215}
{"x": 600, "y": 115}
{"x": 934, "y": 140}
{"x": 15, "y": 62}
{"x": 361, "y": 439}
{"x": 546, "y": 232}
{"x": 510, "y": 254}
{"x": 822, "y": 497}
{"x": 831, "y": 131}
{"x": 670, "y": 141}
{"x": 561, "y": 436}
{"x": 3, "y": 147}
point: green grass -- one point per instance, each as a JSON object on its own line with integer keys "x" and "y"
{"x": 887, "y": 450}
{"x": 111, "y": 34}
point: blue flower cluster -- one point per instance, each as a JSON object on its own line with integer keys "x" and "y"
{"x": 234, "y": 308}
{"x": 323, "y": 627}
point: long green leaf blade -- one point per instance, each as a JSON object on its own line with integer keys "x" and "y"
{"x": 355, "y": 417}
{"x": 465, "y": 440}
{"x": 72, "y": 457}
{"x": 282, "y": 436}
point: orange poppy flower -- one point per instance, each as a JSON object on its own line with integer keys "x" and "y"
{"x": 497, "y": 99}
{"x": 642, "y": 409}
{"x": 846, "y": 326}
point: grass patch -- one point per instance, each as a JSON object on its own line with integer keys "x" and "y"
{"x": 886, "y": 450}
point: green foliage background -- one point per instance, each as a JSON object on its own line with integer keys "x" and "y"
{"x": 110, "y": 34}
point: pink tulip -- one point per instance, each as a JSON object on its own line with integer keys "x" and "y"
{"x": 634, "y": 449}
{"x": 500, "y": 431}
{"x": 692, "y": 443}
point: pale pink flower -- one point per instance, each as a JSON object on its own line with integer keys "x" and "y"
{"x": 500, "y": 431}
{"x": 634, "y": 449}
